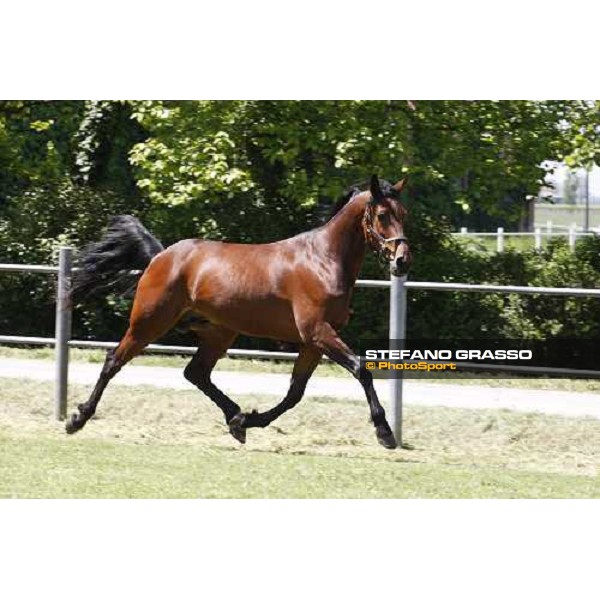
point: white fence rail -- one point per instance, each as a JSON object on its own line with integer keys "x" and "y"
{"x": 398, "y": 287}
{"x": 572, "y": 233}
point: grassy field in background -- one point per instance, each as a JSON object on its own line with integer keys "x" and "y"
{"x": 154, "y": 443}
{"x": 325, "y": 369}
{"x": 488, "y": 243}
{"x": 520, "y": 243}
{"x": 565, "y": 215}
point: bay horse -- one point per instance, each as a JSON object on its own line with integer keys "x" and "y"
{"x": 296, "y": 290}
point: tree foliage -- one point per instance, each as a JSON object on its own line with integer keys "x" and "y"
{"x": 292, "y": 157}
{"x": 581, "y": 128}
{"x": 36, "y": 140}
{"x": 256, "y": 171}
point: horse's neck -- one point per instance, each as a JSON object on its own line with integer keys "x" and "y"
{"x": 345, "y": 238}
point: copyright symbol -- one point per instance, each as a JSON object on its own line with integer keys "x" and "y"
{"x": 370, "y": 366}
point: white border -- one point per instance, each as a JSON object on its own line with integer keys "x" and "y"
{"x": 276, "y": 549}
{"x": 299, "y": 549}
{"x": 330, "y": 49}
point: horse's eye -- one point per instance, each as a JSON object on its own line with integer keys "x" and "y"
{"x": 384, "y": 218}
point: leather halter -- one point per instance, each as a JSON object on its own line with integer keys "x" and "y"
{"x": 377, "y": 242}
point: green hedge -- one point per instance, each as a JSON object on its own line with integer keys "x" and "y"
{"x": 27, "y": 300}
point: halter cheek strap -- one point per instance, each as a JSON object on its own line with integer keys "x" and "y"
{"x": 377, "y": 241}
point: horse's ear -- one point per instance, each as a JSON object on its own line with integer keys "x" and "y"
{"x": 376, "y": 192}
{"x": 399, "y": 186}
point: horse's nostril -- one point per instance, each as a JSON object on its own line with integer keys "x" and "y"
{"x": 401, "y": 264}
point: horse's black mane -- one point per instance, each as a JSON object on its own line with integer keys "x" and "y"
{"x": 386, "y": 187}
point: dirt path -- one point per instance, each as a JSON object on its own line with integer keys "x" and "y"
{"x": 573, "y": 404}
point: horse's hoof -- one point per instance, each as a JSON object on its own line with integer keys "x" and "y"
{"x": 237, "y": 428}
{"x": 387, "y": 440}
{"x": 74, "y": 424}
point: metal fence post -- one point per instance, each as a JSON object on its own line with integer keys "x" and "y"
{"x": 397, "y": 332}
{"x": 500, "y": 239}
{"x": 572, "y": 237}
{"x": 538, "y": 238}
{"x": 62, "y": 332}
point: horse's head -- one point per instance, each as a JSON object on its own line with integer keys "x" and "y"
{"x": 383, "y": 224}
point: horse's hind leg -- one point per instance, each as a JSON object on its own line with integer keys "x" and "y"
{"x": 115, "y": 359}
{"x": 152, "y": 315}
{"x": 214, "y": 341}
{"x": 305, "y": 365}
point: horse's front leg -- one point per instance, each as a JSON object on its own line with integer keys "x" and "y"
{"x": 304, "y": 367}
{"x": 212, "y": 345}
{"x": 325, "y": 337}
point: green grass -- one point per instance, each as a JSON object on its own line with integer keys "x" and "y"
{"x": 565, "y": 215}
{"x": 149, "y": 442}
{"x": 519, "y": 243}
{"x": 326, "y": 369}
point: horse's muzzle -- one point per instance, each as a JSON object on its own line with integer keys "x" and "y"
{"x": 400, "y": 264}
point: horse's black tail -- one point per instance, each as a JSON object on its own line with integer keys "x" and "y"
{"x": 106, "y": 265}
